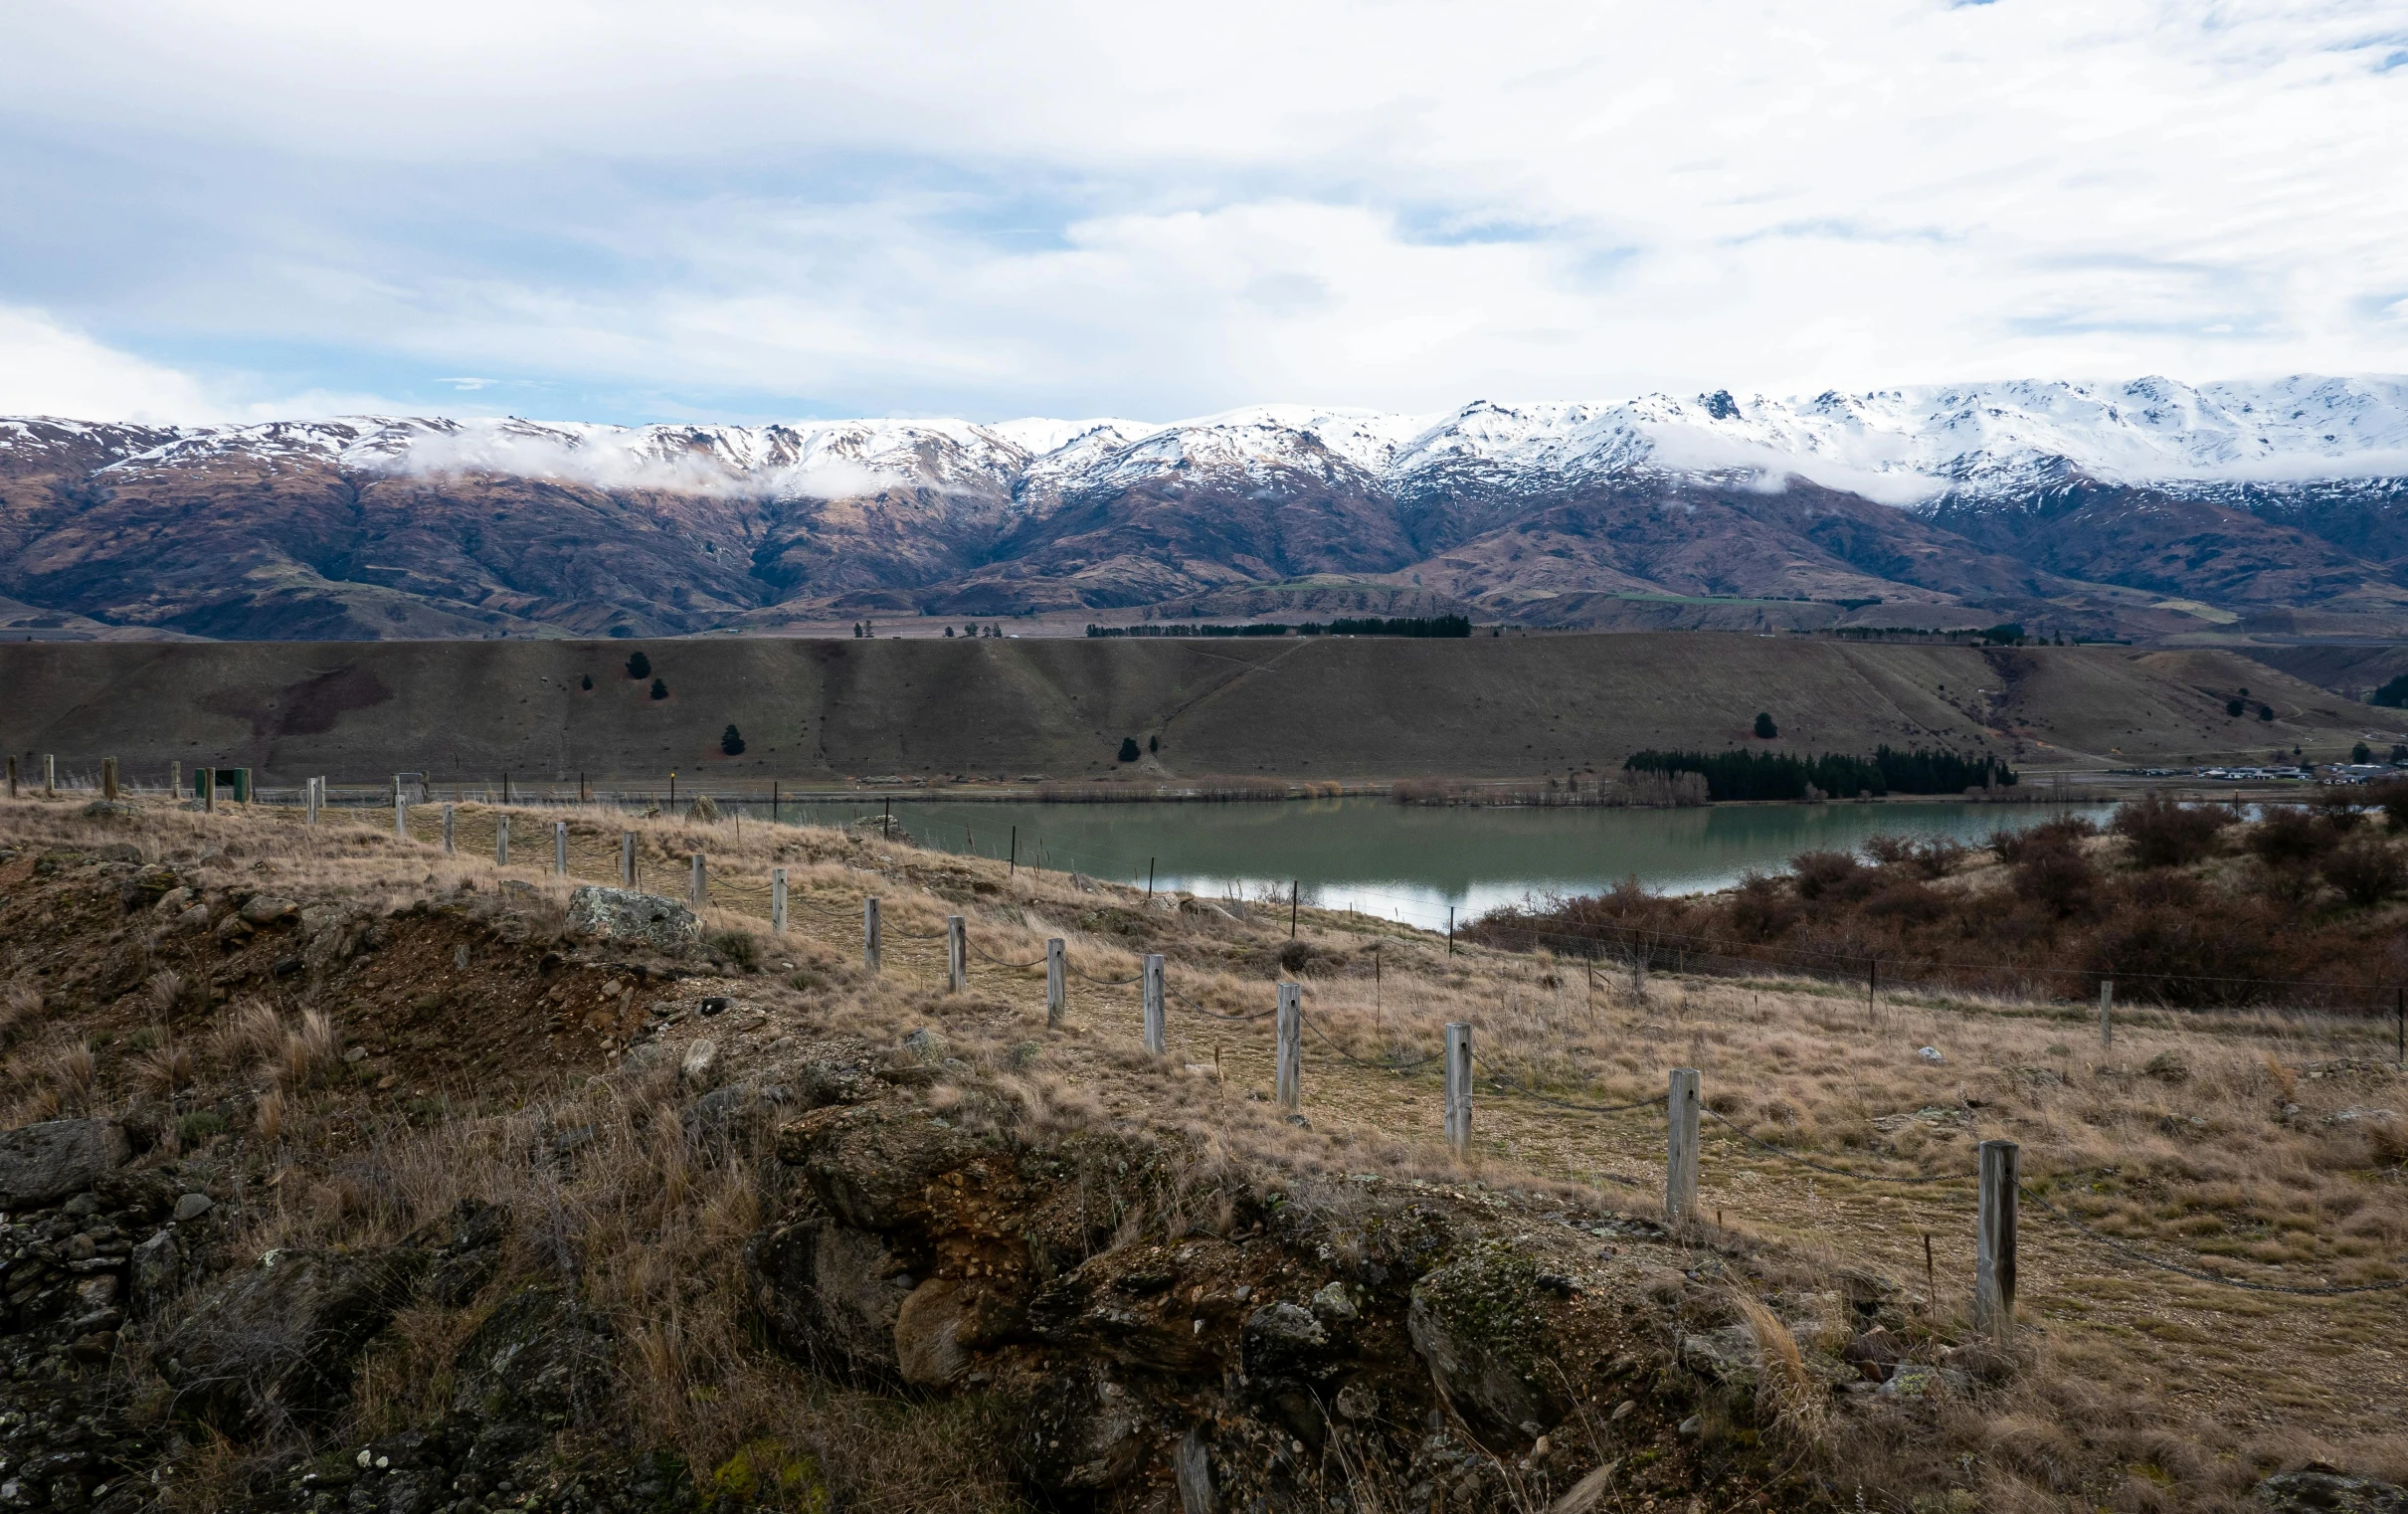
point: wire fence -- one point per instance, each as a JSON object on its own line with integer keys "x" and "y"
{"x": 479, "y": 832}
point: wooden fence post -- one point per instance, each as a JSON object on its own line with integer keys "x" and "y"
{"x": 450, "y": 835}
{"x": 108, "y": 778}
{"x": 50, "y": 776}
{"x": 12, "y": 779}
{"x": 309, "y": 798}
{"x": 1290, "y": 1074}
{"x": 699, "y": 889}
{"x": 560, "y": 848}
{"x": 1994, "y": 1242}
{"x": 501, "y": 841}
{"x": 1680, "y": 1155}
{"x": 957, "y": 953}
{"x": 175, "y": 779}
{"x": 869, "y": 934}
{"x": 2106, "y": 1014}
{"x": 627, "y": 859}
{"x": 400, "y": 814}
{"x": 1157, "y": 1038}
{"x": 1056, "y": 984}
{"x": 1458, "y": 1086}
{"x": 777, "y": 902}
{"x": 207, "y": 778}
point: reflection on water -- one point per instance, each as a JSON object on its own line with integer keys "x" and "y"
{"x": 1410, "y": 863}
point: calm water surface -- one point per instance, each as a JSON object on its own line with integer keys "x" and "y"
{"x": 1414, "y": 864}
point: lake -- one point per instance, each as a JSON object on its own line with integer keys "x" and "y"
{"x": 1413, "y": 862}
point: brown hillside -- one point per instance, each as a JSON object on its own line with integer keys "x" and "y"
{"x": 1318, "y": 708}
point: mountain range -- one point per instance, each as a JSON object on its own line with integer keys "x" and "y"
{"x": 2149, "y": 509}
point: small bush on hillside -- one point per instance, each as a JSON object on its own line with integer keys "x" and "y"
{"x": 586, "y": 682}
{"x": 1836, "y": 875}
{"x": 1765, "y": 730}
{"x": 639, "y": 665}
{"x": 731, "y": 741}
{"x": 2234, "y": 707}
{"x": 1760, "y": 908}
{"x": 2366, "y": 869}
{"x": 1128, "y": 749}
{"x": 1935, "y": 858}
{"x": 2288, "y": 836}
{"x": 2391, "y": 797}
{"x": 660, "y": 688}
{"x": 2058, "y": 878}
{"x": 740, "y": 947}
{"x": 2010, "y": 845}
{"x": 2164, "y": 833}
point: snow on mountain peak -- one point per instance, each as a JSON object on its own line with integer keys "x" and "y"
{"x": 1896, "y": 444}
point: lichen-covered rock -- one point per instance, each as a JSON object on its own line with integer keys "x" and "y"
{"x": 42, "y": 1164}
{"x": 153, "y": 1272}
{"x": 832, "y": 1293}
{"x": 1478, "y": 1323}
{"x": 278, "y": 1339}
{"x": 538, "y": 1359}
{"x": 621, "y": 914}
{"x": 2319, "y": 1489}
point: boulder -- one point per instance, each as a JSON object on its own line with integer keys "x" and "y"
{"x": 927, "y": 1332}
{"x": 266, "y": 909}
{"x": 834, "y": 1295}
{"x": 42, "y": 1164}
{"x": 868, "y": 1164}
{"x": 539, "y": 1360}
{"x": 2319, "y": 1489}
{"x": 278, "y": 1340}
{"x": 1478, "y": 1324}
{"x": 621, "y": 914}
{"x": 153, "y": 1274}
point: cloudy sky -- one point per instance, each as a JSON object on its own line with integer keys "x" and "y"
{"x": 646, "y": 212}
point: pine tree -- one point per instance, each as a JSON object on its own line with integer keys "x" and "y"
{"x": 731, "y": 742}
{"x": 1765, "y": 730}
{"x": 1128, "y": 749}
{"x": 639, "y": 666}
{"x": 659, "y": 690}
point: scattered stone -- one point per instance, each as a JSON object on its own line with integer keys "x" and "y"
{"x": 1916, "y": 1379}
{"x": 2321, "y": 1489}
{"x": 2167, "y": 1068}
{"x": 42, "y": 1164}
{"x": 1930, "y": 1055}
{"x": 623, "y": 914}
{"x": 699, "y": 1059}
{"x": 926, "y": 1045}
{"x": 716, "y": 1003}
{"x": 193, "y": 1207}
{"x": 261, "y": 909}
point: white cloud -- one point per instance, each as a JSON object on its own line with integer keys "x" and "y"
{"x": 48, "y": 369}
{"x": 934, "y": 208}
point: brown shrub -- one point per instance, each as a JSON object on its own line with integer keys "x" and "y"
{"x": 2167, "y": 834}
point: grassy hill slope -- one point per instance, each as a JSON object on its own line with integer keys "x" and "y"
{"x": 1288, "y": 708}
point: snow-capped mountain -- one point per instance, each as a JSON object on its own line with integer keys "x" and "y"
{"x": 2250, "y": 496}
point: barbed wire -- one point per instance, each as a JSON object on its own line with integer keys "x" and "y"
{"x": 1196, "y": 1008}
{"x": 1836, "y": 1171}
{"x": 1397, "y": 1067}
{"x": 1499, "y": 1079}
{"x": 999, "y": 962}
{"x": 1109, "y": 983}
{"x": 2136, "y": 1254}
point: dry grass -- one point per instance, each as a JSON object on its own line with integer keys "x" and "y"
{"x": 2242, "y": 1140}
